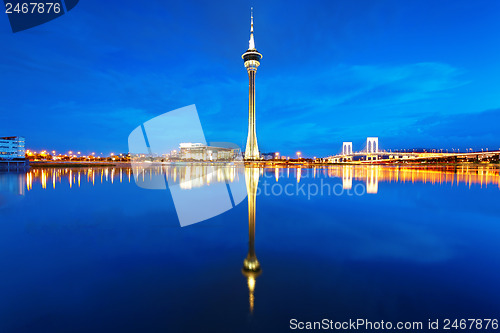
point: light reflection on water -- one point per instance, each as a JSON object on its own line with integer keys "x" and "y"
{"x": 197, "y": 176}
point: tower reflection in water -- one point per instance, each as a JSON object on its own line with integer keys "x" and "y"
{"x": 251, "y": 266}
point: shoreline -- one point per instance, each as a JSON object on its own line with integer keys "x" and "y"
{"x": 79, "y": 164}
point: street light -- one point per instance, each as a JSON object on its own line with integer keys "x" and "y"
{"x": 298, "y": 155}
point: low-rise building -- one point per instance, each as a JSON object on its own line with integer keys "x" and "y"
{"x": 12, "y": 148}
{"x": 269, "y": 156}
{"x": 202, "y": 152}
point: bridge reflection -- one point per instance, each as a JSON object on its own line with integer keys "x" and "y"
{"x": 373, "y": 174}
{"x": 189, "y": 177}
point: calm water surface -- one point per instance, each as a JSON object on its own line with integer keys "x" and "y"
{"x": 89, "y": 250}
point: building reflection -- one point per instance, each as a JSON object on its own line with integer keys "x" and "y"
{"x": 13, "y": 183}
{"x": 187, "y": 177}
{"x": 12, "y": 187}
{"x": 251, "y": 266}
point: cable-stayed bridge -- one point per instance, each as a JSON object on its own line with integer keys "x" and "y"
{"x": 371, "y": 153}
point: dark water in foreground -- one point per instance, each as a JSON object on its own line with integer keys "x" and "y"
{"x": 87, "y": 250}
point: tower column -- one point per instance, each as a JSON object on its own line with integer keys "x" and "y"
{"x": 252, "y": 148}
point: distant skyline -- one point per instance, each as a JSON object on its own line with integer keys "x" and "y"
{"x": 416, "y": 74}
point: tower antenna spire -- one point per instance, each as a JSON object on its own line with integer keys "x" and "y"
{"x": 251, "y": 43}
{"x": 251, "y": 19}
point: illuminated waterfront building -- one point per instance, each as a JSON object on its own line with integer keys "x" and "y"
{"x": 202, "y": 152}
{"x": 251, "y": 60}
{"x": 12, "y": 152}
{"x": 12, "y": 148}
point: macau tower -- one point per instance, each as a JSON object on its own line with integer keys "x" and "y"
{"x": 251, "y": 60}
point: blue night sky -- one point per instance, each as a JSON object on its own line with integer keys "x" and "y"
{"x": 414, "y": 73}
